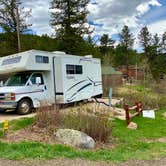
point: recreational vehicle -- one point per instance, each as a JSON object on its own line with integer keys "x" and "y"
{"x": 37, "y": 77}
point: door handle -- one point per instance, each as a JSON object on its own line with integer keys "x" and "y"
{"x": 45, "y": 87}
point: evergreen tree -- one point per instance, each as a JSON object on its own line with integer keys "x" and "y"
{"x": 13, "y": 19}
{"x": 163, "y": 43}
{"x": 68, "y": 20}
{"x": 145, "y": 39}
{"x": 126, "y": 46}
{"x": 107, "y": 48}
{"x": 126, "y": 38}
{"x": 154, "y": 52}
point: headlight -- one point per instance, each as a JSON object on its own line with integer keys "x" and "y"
{"x": 10, "y": 96}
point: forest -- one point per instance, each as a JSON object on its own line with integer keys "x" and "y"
{"x": 74, "y": 37}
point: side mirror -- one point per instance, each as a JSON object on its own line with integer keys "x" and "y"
{"x": 38, "y": 80}
{"x": 1, "y": 83}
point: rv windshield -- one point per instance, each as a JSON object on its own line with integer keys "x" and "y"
{"x": 19, "y": 79}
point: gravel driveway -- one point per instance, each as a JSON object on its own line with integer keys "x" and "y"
{"x": 79, "y": 162}
{"x": 13, "y": 116}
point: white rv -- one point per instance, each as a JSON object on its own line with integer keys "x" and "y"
{"x": 48, "y": 77}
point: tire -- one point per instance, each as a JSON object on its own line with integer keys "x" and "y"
{"x": 2, "y": 110}
{"x": 24, "y": 107}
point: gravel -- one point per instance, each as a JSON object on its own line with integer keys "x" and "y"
{"x": 79, "y": 162}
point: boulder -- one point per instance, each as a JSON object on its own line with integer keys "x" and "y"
{"x": 132, "y": 126}
{"x": 75, "y": 138}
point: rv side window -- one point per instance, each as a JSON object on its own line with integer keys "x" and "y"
{"x": 42, "y": 59}
{"x": 78, "y": 69}
{"x": 73, "y": 69}
{"x": 34, "y": 76}
{"x": 70, "y": 69}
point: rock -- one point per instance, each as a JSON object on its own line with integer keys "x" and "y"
{"x": 75, "y": 138}
{"x": 132, "y": 126}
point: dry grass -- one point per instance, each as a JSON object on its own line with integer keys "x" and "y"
{"x": 86, "y": 119}
{"x": 150, "y": 98}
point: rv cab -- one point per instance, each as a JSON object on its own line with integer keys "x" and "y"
{"x": 24, "y": 87}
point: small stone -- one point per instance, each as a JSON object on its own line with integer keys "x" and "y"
{"x": 132, "y": 126}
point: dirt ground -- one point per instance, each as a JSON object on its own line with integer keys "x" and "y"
{"x": 79, "y": 162}
{"x": 13, "y": 116}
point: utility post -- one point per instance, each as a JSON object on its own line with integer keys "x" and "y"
{"x": 18, "y": 29}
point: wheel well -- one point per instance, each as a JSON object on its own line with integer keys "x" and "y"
{"x": 27, "y": 98}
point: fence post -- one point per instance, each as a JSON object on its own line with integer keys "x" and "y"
{"x": 110, "y": 98}
{"x": 126, "y": 107}
{"x": 5, "y": 128}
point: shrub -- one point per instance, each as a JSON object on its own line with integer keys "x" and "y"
{"x": 48, "y": 117}
{"x": 150, "y": 99}
{"x": 95, "y": 124}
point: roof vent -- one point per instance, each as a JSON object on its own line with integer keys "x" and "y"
{"x": 89, "y": 56}
{"x": 59, "y": 52}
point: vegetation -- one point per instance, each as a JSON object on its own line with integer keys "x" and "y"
{"x": 17, "y": 124}
{"x": 154, "y": 51}
{"x": 13, "y": 21}
{"x": 150, "y": 98}
{"x": 69, "y": 20}
{"x": 82, "y": 119}
{"x": 142, "y": 143}
{"x": 72, "y": 35}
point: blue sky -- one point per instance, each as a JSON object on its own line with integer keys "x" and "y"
{"x": 107, "y": 16}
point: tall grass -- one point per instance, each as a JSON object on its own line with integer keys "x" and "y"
{"x": 95, "y": 124}
{"x": 147, "y": 96}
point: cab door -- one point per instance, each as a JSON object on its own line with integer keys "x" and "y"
{"x": 38, "y": 87}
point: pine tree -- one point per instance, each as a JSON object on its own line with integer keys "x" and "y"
{"x": 68, "y": 20}
{"x": 107, "y": 48}
{"x": 126, "y": 44}
{"x": 145, "y": 39}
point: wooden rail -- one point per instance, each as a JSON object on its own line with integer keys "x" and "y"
{"x": 138, "y": 110}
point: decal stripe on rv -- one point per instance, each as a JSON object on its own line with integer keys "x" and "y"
{"x": 76, "y": 84}
{"x": 30, "y": 92}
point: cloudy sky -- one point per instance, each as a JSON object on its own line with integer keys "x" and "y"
{"x": 107, "y": 16}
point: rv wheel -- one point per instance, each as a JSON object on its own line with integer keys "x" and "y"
{"x": 24, "y": 107}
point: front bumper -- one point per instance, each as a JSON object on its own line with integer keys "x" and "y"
{"x": 8, "y": 105}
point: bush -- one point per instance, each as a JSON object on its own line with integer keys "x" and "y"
{"x": 95, "y": 124}
{"x": 49, "y": 117}
{"x": 150, "y": 99}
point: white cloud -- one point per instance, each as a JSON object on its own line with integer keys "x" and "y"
{"x": 157, "y": 27}
{"x": 113, "y": 14}
{"x": 40, "y": 16}
{"x": 144, "y": 7}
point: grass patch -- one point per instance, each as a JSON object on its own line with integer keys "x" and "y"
{"x": 15, "y": 125}
{"x": 129, "y": 145}
{"x": 21, "y": 123}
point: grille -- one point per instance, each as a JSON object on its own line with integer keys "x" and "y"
{"x": 2, "y": 96}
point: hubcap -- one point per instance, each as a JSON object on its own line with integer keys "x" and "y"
{"x": 24, "y": 107}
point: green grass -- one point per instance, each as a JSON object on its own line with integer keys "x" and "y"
{"x": 21, "y": 123}
{"x": 140, "y": 88}
{"x": 129, "y": 144}
{"x": 15, "y": 125}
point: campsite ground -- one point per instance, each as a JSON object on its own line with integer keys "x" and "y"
{"x": 144, "y": 146}
{"x": 79, "y": 162}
